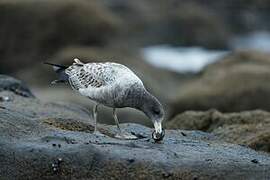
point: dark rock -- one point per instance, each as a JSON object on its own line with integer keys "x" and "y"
{"x": 4, "y": 98}
{"x": 28, "y": 127}
{"x": 32, "y": 31}
{"x": 188, "y": 23}
{"x": 250, "y": 128}
{"x": 200, "y": 21}
{"x": 183, "y": 134}
{"x": 255, "y": 161}
{"x": 131, "y": 160}
{"x": 8, "y": 83}
{"x": 167, "y": 175}
{"x": 236, "y": 83}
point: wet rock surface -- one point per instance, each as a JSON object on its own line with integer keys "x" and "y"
{"x": 54, "y": 141}
{"x": 249, "y": 128}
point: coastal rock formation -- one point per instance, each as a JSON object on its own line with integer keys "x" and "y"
{"x": 53, "y": 141}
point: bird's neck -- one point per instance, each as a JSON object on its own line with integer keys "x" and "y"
{"x": 143, "y": 102}
{"x": 143, "y": 97}
{"x": 136, "y": 97}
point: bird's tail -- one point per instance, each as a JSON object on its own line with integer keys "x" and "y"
{"x": 60, "y": 70}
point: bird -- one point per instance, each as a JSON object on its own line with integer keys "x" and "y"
{"x": 113, "y": 85}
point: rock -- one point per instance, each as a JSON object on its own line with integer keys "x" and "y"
{"x": 182, "y": 23}
{"x": 250, "y": 128}
{"x": 42, "y": 28}
{"x": 54, "y": 141}
{"x": 32, "y": 31}
{"x": 8, "y": 83}
{"x": 238, "y": 82}
{"x": 210, "y": 24}
{"x": 191, "y": 24}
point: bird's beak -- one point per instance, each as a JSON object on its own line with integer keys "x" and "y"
{"x": 159, "y": 132}
{"x": 158, "y": 127}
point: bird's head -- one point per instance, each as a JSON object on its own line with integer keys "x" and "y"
{"x": 154, "y": 111}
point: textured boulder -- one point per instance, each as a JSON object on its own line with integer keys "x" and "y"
{"x": 250, "y": 128}
{"x": 54, "y": 141}
{"x": 238, "y": 82}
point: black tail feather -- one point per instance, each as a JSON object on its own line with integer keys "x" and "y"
{"x": 57, "y": 65}
{"x": 60, "y": 70}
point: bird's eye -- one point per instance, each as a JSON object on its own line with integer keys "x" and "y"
{"x": 156, "y": 111}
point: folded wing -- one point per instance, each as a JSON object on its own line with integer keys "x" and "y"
{"x": 90, "y": 76}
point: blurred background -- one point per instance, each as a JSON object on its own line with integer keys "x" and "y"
{"x": 193, "y": 55}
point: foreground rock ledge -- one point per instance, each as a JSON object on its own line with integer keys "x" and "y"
{"x": 249, "y": 128}
{"x": 54, "y": 141}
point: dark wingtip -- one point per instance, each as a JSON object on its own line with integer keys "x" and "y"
{"x": 57, "y": 65}
{"x": 47, "y": 63}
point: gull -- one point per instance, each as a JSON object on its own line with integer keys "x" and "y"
{"x": 113, "y": 85}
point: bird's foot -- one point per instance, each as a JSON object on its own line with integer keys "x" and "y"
{"x": 125, "y": 135}
{"x": 98, "y": 134}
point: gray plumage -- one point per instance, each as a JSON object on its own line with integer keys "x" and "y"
{"x": 113, "y": 85}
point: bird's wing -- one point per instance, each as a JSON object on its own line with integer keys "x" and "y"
{"x": 90, "y": 76}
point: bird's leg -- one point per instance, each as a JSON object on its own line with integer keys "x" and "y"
{"x": 121, "y": 134}
{"x": 95, "y": 109}
{"x": 95, "y": 117}
{"x": 116, "y": 120}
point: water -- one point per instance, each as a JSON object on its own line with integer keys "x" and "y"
{"x": 181, "y": 59}
{"x": 194, "y": 59}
